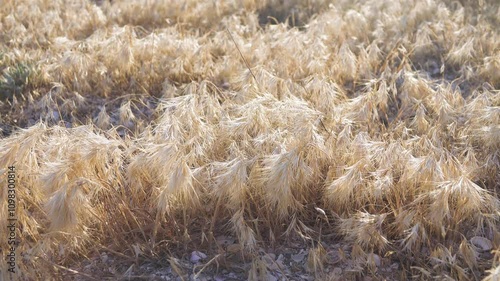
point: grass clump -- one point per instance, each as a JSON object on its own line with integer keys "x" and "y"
{"x": 14, "y": 79}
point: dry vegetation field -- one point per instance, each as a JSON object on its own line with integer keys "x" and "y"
{"x": 260, "y": 140}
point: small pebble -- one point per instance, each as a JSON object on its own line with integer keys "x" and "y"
{"x": 482, "y": 243}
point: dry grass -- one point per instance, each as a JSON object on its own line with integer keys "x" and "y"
{"x": 137, "y": 127}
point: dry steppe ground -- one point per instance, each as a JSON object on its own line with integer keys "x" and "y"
{"x": 259, "y": 140}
